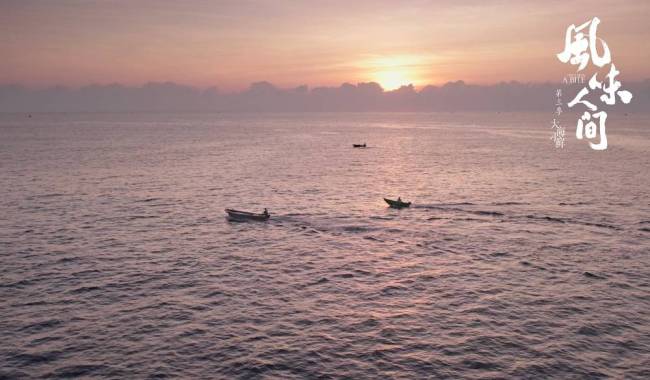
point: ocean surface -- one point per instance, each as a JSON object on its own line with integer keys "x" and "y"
{"x": 516, "y": 260}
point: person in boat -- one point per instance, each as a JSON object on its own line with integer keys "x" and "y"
{"x": 266, "y": 212}
{"x": 399, "y": 199}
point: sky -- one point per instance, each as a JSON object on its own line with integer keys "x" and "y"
{"x": 231, "y": 44}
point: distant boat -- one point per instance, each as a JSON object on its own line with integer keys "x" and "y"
{"x": 245, "y": 215}
{"x": 359, "y": 145}
{"x": 397, "y": 203}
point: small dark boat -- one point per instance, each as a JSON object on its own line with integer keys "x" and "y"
{"x": 397, "y": 203}
{"x": 245, "y": 215}
{"x": 359, "y": 145}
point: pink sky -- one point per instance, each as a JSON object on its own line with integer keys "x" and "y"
{"x": 233, "y": 43}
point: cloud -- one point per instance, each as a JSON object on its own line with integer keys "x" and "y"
{"x": 265, "y": 97}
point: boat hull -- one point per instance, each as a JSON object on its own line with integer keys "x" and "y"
{"x": 245, "y": 215}
{"x": 397, "y": 204}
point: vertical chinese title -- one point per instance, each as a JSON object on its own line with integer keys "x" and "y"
{"x": 580, "y": 49}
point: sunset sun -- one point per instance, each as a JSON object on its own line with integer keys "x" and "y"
{"x": 393, "y": 72}
{"x": 392, "y": 79}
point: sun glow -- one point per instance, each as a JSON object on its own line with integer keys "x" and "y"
{"x": 394, "y": 72}
{"x": 392, "y": 80}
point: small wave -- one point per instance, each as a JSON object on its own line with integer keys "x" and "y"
{"x": 588, "y": 330}
{"x": 546, "y": 218}
{"x": 620, "y": 204}
{"x": 489, "y": 213}
{"x": 382, "y": 217}
{"x": 17, "y": 284}
{"x": 393, "y": 289}
{"x": 621, "y": 285}
{"x": 79, "y": 370}
{"x": 147, "y": 200}
{"x": 49, "y": 195}
{"x": 477, "y": 364}
{"x": 444, "y": 206}
{"x": 570, "y": 247}
{"x": 322, "y": 280}
{"x": 290, "y": 217}
{"x": 458, "y": 209}
{"x": 457, "y": 204}
{"x": 602, "y": 225}
{"x": 366, "y": 325}
{"x": 357, "y": 229}
{"x": 135, "y": 217}
{"x": 68, "y": 260}
{"x": 39, "y": 326}
{"x": 531, "y": 265}
{"x": 572, "y": 221}
{"x": 84, "y": 289}
{"x": 591, "y": 275}
{"x": 470, "y": 219}
{"x": 35, "y": 359}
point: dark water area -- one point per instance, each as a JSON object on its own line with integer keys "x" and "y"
{"x": 516, "y": 259}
